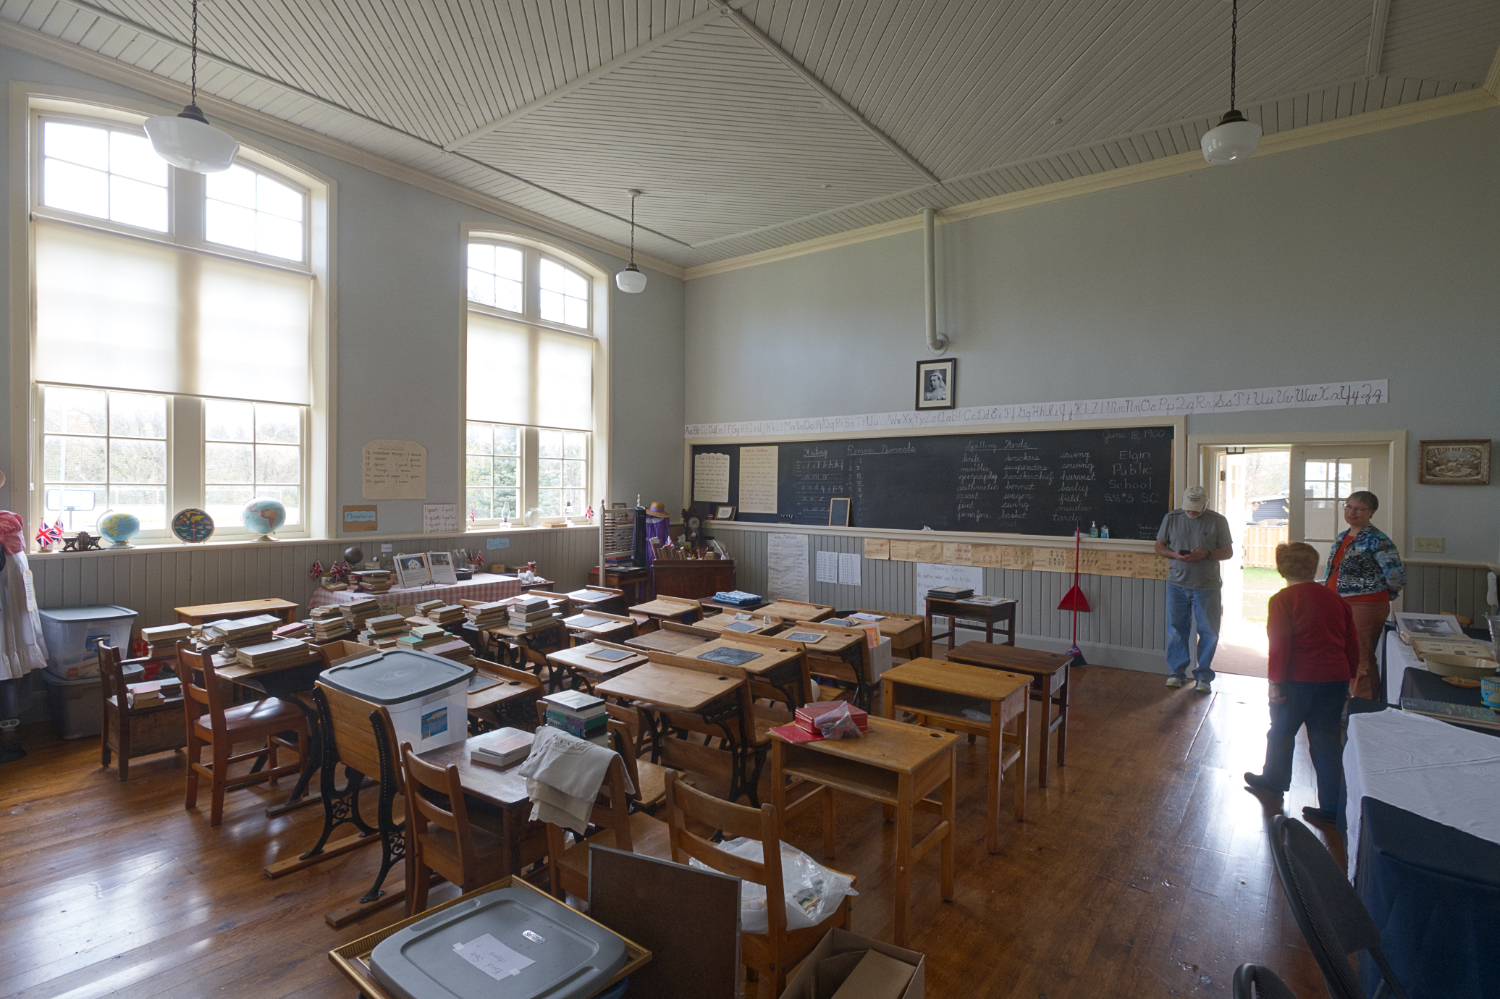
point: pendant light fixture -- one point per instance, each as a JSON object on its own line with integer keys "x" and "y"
{"x": 1235, "y": 138}
{"x": 631, "y": 280}
{"x": 187, "y": 140}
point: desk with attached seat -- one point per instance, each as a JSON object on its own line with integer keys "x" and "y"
{"x": 580, "y": 672}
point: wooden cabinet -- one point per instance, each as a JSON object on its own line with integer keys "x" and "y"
{"x": 692, "y": 579}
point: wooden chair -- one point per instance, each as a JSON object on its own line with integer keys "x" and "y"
{"x": 127, "y": 731}
{"x": 772, "y": 954}
{"x": 617, "y": 826}
{"x": 211, "y": 723}
{"x": 444, "y": 840}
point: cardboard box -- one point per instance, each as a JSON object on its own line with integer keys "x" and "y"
{"x": 840, "y": 957}
{"x": 342, "y": 649}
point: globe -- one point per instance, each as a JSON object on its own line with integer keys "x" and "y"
{"x": 263, "y": 515}
{"x": 119, "y": 528}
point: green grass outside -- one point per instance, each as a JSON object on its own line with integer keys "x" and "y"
{"x": 1259, "y": 585}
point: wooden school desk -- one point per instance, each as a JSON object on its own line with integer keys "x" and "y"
{"x": 509, "y": 702}
{"x": 599, "y": 598}
{"x": 895, "y": 764}
{"x": 938, "y": 693}
{"x": 1051, "y": 682}
{"x": 574, "y": 669}
{"x": 779, "y": 667}
{"x": 588, "y": 626}
{"x": 1003, "y": 611}
{"x": 906, "y": 632}
{"x": 671, "y": 637}
{"x": 795, "y": 610}
{"x": 839, "y": 653}
{"x": 285, "y": 682}
{"x": 670, "y": 609}
{"x": 728, "y": 624}
{"x": 201, "y": 613}
{"x": 504, "y": 790}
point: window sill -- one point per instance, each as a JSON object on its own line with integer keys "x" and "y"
{"x": 361, "y": 540}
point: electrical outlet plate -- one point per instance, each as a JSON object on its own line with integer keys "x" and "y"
{"x": 1421, "y": 544}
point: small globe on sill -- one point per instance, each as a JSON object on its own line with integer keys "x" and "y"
{"x": 263, "y": 516}
{"x": 119, "y": 527}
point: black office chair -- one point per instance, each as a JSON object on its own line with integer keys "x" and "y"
{"x": 1254, "y": 982}
{"x": 1333, "y": 920}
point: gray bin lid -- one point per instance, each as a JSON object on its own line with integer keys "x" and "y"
{"x": 395, "y": 675}
{"x": 571, "y": 956}
{"x": 96, "y": 612}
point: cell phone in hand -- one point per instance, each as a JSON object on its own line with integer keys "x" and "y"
{"x": 1184, "y": 552}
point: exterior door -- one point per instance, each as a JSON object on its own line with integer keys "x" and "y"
{"x": 1323, "y": 476}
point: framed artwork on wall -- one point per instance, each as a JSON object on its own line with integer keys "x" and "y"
{"x": 937, "y": 384}
{"x": 1454, "y": 463}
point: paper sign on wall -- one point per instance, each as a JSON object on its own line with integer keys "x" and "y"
{"x": 710, "y": 478}
{"x": 828, "y": 567}
{"x": 930, "y": 575}
{"x": 440, "y": 518}
{"x": 786, "y": 566}
{"x": 758, "y": 479}
{"x": 849, "y": 569}
{"x": 361, "y": 518}
{"x": 394, "y": 470}
{"x": 493, "y": 543}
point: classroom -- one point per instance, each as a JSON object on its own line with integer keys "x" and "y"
{"x": 480, "y": 473}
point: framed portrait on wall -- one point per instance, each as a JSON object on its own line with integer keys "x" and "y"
{"x": 1454, "y": 463}
{"x": 937, "y": 384}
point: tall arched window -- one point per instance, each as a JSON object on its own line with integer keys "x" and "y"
{"x": 532, "y": 343}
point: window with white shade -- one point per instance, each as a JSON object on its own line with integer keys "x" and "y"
{"x": 530, "y": 384}
{"x": 175, "y": 326}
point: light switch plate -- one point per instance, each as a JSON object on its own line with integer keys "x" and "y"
{"x": 1421, "y": 544}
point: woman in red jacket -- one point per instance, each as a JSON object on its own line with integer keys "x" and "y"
{"x": 1314, "y": 653}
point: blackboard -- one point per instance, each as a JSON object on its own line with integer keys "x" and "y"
{"x": 1031, "y": 482}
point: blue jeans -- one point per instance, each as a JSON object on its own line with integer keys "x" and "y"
{"x": 1186, "y": 608}
{"x": 1319, "y": 706}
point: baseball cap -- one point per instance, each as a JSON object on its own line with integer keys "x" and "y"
{"x": 1195, "y": 498}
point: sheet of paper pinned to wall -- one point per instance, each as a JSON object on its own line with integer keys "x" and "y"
{"x": 828, "y": 567}
{"x": 394, "y": 470}
{"x": 786, "y": 566}
{"x": 710, "y": 478}
{"x": 849, "y": 563}
{"x": 758, "y": 479}
{"x": 929, "y": 575}
{"x": 440, "y": 518}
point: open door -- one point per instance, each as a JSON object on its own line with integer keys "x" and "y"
{"x": 1323, "y": 476}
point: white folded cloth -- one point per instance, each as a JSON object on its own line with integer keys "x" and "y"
{"x": 563, "y": 776}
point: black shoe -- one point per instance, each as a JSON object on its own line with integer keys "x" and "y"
{"x": 1256, "y": 782}
{"x": 1318, "y": 814}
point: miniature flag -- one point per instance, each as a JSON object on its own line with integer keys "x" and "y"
{"x": 472, "y": 515}
{"x": 43, "y": 536}
{"x": 316, "y": 570}
{"x": 589, "y": 513}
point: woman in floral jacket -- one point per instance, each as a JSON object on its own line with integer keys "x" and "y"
{"x": 1365, "y": 569}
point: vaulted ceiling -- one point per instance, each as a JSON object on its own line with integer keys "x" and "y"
{"x": 755, "y": 124}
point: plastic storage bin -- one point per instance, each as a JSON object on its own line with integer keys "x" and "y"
{"x": 538, "y": 947}
{"x": 73, "y": 635}
{"x": 76, "y": 712}
{"x": 426, "y": 695}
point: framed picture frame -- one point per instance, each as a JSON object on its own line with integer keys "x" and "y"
{"x": 1454, "y": 463}
{"x": 723, "y": 513}
{"x": 937, "y": 384}
{"x": 412, "y": 570}
{"x": 838, "y": 511}
{"x": 440, "y": 568}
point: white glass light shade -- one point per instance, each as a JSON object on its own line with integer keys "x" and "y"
{"x": 1234, "y": 139}
{"x": 631, "y": 280}
{"x": 188, "y": 141}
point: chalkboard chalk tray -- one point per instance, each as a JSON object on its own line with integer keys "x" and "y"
{"x": 1030, "y": 482}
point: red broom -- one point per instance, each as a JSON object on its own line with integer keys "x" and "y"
{"x": 1074, "y": 600}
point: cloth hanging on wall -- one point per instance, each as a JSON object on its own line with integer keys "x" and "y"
{"x": 21, "y": 646}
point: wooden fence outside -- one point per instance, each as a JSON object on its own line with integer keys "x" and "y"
{"x": 1260, "y": 545}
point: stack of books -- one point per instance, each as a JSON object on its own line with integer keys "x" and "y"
{"x": 531, "y": 614}
{"x": 578, "y": 714}
{"x": 425, "y": 637}
{"x": 502, "y": 748}
{"x": 951, "y": 592}
{"x": 429, "y": 605}
{"x": 241, "y": 631}
{"x": 382, "y": 631}
{"x": 373, "y": 580}
{"x": 457, "y": 649}
{"x": 488, "y": 615}
{"x": 278, "y": 652}
{"x": 146, "y": 695}
{"x": 361, "y": 610}
{"x": 807, "y": 715}
{"x": 297, "y": 629}
{"x": 445, "y": 615}
{"x": 162, "y": 641}
{"x": 327, "y": 624}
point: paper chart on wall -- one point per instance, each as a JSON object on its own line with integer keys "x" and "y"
{"x": 786, "y": 566}
{"x": 758, "y": 479}
{"x": 391, "y": 469}
{"x": 849, "y": 564}
{"x": 711, "y": 478}
{"x": 440, "y": 518}
{"x": 930, "y": 575}
{"x": 828, "y": 567}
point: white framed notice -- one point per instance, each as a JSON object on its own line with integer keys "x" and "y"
{"x": 412, "y": 570}
{"x": 711, "y": 478}
{"x": 758, "y": 479}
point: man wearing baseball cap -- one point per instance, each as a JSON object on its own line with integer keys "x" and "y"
{"x": 1196, "y": 540}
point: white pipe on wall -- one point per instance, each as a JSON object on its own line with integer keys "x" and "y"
{"x": 936, "y": 342}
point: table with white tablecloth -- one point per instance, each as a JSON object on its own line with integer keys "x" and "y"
{"x": 484, "y": 586}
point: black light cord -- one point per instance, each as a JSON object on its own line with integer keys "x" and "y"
{"x": 1234, "y": 44}
{"x": 194, "y": 98}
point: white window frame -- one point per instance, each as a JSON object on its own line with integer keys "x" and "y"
{"x": 186, "y": 208}
{"x": 599, "y": 278}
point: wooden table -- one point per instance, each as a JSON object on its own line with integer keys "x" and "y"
{"x": 907, "y": 632}
{"x": 795, "y": 610}
{"x": 503, "y": 790}
{"x": 938, "y": 692}
{"x": 779, "y": 668}
{"x": 895, "y": 764}
{"x": 670, "y": 609}
{"x": 1051, "y": 683}
{"x": 671, "y": 637}
{"x": 1003, "y": 611}
{"x": 727, "y": 623}
{"x": 733, "y": 608}
{"x": 200, "y": 613}
{"x": 511, "y": 702}
{"x": 584, "y": 673}
{"x": 588, "y": 626}
{"x": 598, "y": 598}
{"x": 839, "y": 654}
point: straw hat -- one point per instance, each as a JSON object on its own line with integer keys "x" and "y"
{"x": 657, "y": 509}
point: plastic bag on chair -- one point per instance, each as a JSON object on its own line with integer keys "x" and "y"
{"x": 812, "y": 891}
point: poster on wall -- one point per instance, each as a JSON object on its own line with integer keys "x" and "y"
{"x": 758, "y": 479}
{"x": 710, "y": 478}
{"x": 391, "y": 469}
{"x": 930, "y": 575}
{"x": 786, "y": 566}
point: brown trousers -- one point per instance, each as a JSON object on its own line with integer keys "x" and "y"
{"x": 1369, "y": 619}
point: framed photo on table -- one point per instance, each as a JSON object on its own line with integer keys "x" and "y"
{"x": 412, "y": 570}
{"x": 440, "y": 568}
{"x": 1454, "y": 463}
{"x": 937, "y": 384}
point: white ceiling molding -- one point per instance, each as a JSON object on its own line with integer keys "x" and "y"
{"x": 1379, "y": 14}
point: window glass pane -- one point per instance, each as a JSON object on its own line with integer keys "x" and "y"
{"x": 575, "y": 445}
{"x": 137, "y": 461}
{"x": 508, "y": 262}
{"x": 507, "y": 295}
{"x": 275, "y": 463}
{"x": 550, "y": 501}
{"x": 278, "y": 199}
{"x": 75, "y": 459}
{"x": 574, "y": 285}
{"x": 132, "y": 156}
{"x": 549, "y": 443}
{"x": 548, "y": 473}
{"x": 228, "y": 421}
{"x": 477, "y": 470}
{"x": 481, "y": 287}
{"x": 482, "y": 258}
{"x": 507, "y": 471}
{"x": 478, "y": 438}
{"x": 507, "y": 503}
{"x": 148, "y": 503}
{"x": 229, "y": 224}
{"x": 224, "y": 503}
{"x": 235, "y": 185}
{"x": 75, "y": 189}
{"x": 573, "y": 474}
{"x": 574, "y": 496}
{"x": 278, "y": 424}
{"x": 576, "y": 312}
{"x": 73, "y": 411}
{"x": 291, "y": 498}
{"x": 479, "y": 504}
{"x": 229, "y": 463}
{"x": 551, "y": 275}
{"x": 87, "y": 502}
{"x": 133, "y": 415}
{"x": 134, "y": 203}
{"x": 553, "y": 307}
{"x": 82, "y": 144}
{"x": 278, "y": 237}
{"x": 507, "y": 440}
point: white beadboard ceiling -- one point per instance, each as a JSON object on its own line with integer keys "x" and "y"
{"x": 761, "y": 123}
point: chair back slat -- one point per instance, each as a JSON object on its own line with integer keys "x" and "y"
{"x": 195, "y": 697}
{"x": 422, "y": 775}
{"x": 353, "y": 738}
{"x": 112, "y": 677}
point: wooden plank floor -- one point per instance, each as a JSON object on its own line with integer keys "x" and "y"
{"x": 1143, "y": 870}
